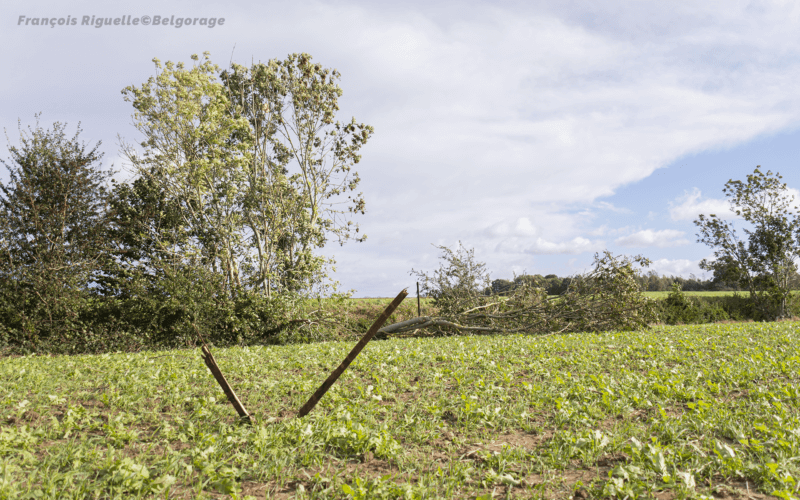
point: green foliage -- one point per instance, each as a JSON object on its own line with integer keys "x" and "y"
{"x": 707, "y": 411}
{"x": 188, "y": 155}
{"x": 712, "y": 308}
{"x": 300, "y": 166}
{"x": 148, "y": 234}
{"x": 606, "y": 298}
{"x": 254, "y": 166}
{"x": 239, "y": 182}
{"x": 678, "y": 308}
{"x": 764, "y": 264}
{"x": 459, "y": 283}
{"x": 54, "y": 242}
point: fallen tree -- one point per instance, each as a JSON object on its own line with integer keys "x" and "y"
{"x": 606, "y": 298}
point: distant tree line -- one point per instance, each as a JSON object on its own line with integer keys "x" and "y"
{"x": 648, "y": 282}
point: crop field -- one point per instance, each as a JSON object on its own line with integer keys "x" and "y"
{"x": 707, "y": 411}
{"x": 665, "y": 294}
{"x": 655, "y": 295}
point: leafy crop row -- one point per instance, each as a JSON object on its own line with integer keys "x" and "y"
{"x": 673, "y": 412}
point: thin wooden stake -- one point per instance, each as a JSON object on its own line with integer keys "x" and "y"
{"x": 334, "y": 376}
{"x": 419, "y": 310}
{"x": 211, "y": 363}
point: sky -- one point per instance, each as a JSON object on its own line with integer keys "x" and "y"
{"x": 537, "y": 133}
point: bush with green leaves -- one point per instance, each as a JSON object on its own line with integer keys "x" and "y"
{"x": 54, "y": 241}
{"x": 678, "y": 308}
{"x": 459, "y": 284}
{"x": 606, "y": 298}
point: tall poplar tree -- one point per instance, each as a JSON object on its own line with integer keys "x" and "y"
{"x": 188, "y": 154}
{"x": 300, "y": 186}
{"x": 257, "y": 164}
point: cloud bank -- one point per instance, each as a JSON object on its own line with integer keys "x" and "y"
{"x": 502, "y": 125}
{"x": 650, "y": 238}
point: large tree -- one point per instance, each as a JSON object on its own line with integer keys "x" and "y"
{"x": 256, "y": 164}
{"x": 149, "y": 235}
{"x": 53, "y": 218}
{"x": 188, "y": 154}
{"x": 300, "y": 168}
{"x": 765, "y": 261}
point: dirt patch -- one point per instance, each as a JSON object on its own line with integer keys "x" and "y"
{"x": 735, "y": 490}
{"x": 611, "y": 460}
{"x": 27, "y": 417}
{"x": 259, "y": 490}
{"x": 525, "y": 440}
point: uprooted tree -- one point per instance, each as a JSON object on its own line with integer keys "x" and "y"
{"x": 606, "y": 298}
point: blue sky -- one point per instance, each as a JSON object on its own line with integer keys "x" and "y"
{"x": 537, "y": 133}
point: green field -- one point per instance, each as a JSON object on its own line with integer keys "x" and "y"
{"x": 655, "y": 295}
{"x": 665, "y": 294}
{"x": 673, "y": 412}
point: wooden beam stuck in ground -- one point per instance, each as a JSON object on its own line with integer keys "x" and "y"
{"x": 334, "y": 376}
{"x": 211, "y": 363}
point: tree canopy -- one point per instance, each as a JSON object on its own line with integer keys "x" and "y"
{"x": 765, "y": 261}
{"x": 54, "y": 226}
{"x": 255, "y": 164}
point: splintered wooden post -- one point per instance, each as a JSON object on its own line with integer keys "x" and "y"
{"x": 211, "y": 363}
{"x": 334, "y": 376}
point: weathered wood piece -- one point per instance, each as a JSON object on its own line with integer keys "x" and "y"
{"x": 334, "y": 376}
{"x": 211, "y": 363}
{"x": 419, "y": 309}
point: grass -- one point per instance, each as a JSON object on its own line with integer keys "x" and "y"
{"x": 696, "y": 411}
{"x": 655, "y": 295}
{"x": 665, "y": 294}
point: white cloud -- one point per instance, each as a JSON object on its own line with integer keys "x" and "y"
{"x": 522, "y": 227}
{"x": 574, "y": 246}
{"x": 649, "y": 238}
{"x": 542, "y": 246}
{"x": 604, "y": 205}
{"x": 690, "y": 205}
{"x": 677, "y": 267}
{"x": 599, "y": 231}
{"x": 497, "y": 116}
